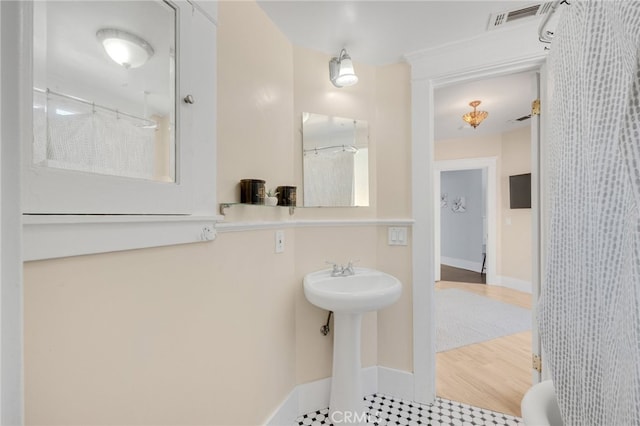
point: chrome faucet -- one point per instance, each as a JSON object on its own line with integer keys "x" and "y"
{"x": 340, "y": 270}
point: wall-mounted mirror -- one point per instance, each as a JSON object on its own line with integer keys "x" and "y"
{"x": 335, "y": 153}
{"x": 104, "y": 88}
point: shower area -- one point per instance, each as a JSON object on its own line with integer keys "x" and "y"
{"x": 335, "y": 161}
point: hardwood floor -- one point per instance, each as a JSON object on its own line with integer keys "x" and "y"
{"x": 494, "y": 374}
{"x": 449, "y": 273}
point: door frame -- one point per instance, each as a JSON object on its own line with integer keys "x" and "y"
{"x": 424, "y": 327}
{"x": 11, "y": 136}
{"x": 488, "y": 164}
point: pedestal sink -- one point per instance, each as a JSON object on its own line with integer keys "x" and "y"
{"x": 349, "y": 297}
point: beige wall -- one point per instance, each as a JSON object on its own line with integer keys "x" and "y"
{"x": 513, "y": 152}
{"x": 255, "y": 104}
{"x": 516, "y": 223}
{"x": 393, "y": 148}
{"x": 220, "y": 332}
{"x": 315, "y": 93}
{"x": 174, "y": 335}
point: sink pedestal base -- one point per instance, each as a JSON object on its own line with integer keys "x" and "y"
{"x": 346, "y": 405}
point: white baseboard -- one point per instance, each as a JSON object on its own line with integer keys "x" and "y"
{"x": 313, "y": 396}
{"x": 461, "y": 263}
{"x": 514, "y": 283}
{"x": 287, "y": 413}
{"x": 396, "y": 383}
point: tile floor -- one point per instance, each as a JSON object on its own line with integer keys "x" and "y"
{"x": 386, "y": 411}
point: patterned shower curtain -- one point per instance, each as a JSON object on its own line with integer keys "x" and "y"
{"x": 590, "y": 306}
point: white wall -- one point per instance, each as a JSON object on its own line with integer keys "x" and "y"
{"x": 461, "y": 233}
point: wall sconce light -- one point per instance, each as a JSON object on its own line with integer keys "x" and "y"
{"x": 124, "y": 48}
{"x": 341, "y": 71}
{"x": 474, "y": 118}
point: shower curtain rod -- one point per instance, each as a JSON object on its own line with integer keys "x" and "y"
{"x": 94, "y": 105}
{"x": 351, "y": 148}
{"x": 544, "y": 35}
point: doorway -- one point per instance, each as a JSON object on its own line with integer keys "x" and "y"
{"x": 487, "y": 166}
{"x": 463, "y": 230}
{"x": 423, "y": 209}
{"x": 492, "y": 328}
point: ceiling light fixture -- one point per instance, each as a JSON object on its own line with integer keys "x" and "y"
{"x": 124, "y": 48}
{"x": 474, "y": 118}
{"x": 341, "y": 71}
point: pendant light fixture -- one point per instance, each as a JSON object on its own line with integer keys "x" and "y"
{"x": 341, "y": 72}
{"x": 474, "y": 118}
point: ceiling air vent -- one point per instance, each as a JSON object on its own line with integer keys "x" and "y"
{"x": 501, "y": 18}
{"x": 519, "y": 119}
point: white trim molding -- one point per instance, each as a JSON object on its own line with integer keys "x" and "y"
{"x": 11, "y": 293}
{"x": 396, "y": 383}
{"x": 90, "y": 234}
{"x": 308, "y": 223}
{"x": 309, "y": 397}
{"x": 515, "y": 284}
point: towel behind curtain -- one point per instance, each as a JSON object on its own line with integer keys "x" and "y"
{"x": 590, "y": 306}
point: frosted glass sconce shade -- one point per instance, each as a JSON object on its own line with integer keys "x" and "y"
{"x": 341, "y": 72}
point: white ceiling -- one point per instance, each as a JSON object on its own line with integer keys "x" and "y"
{"x": 382, "y": 32}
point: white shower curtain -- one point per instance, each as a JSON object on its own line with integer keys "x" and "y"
{"x": 590, "y": 306}
{"x": 329, "y": 178}
{"x": 98, "y": 142}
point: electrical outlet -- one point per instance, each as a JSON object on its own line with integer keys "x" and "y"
{"x": 208, "y": 233}
{"x": 279, "y": 241}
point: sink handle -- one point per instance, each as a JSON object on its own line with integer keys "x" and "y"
{"x": 348, "y": 270}
{"x": 336, "y": 267}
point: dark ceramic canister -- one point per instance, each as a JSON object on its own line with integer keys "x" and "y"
{"x": 286, "y": 195}
{"x": 252, "y": 191}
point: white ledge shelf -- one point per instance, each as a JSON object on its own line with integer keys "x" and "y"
{"x": 224, "y": 206}
{"x": 55, "y": 236}
{"x": 309, "y": 223}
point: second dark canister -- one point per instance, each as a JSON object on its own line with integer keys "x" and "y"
{"x": 286, "y": 195}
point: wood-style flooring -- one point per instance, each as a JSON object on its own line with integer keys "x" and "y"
{"x": 494, "y": 374}
{"x": 449, "y": 273}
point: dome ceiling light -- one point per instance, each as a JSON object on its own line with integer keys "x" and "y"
{"x": 126, "y": 49}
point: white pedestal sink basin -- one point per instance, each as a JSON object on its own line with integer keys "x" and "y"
{"x": 349, "y": 297}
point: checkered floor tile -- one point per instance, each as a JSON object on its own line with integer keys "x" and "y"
{"x": 388, "y": 411}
